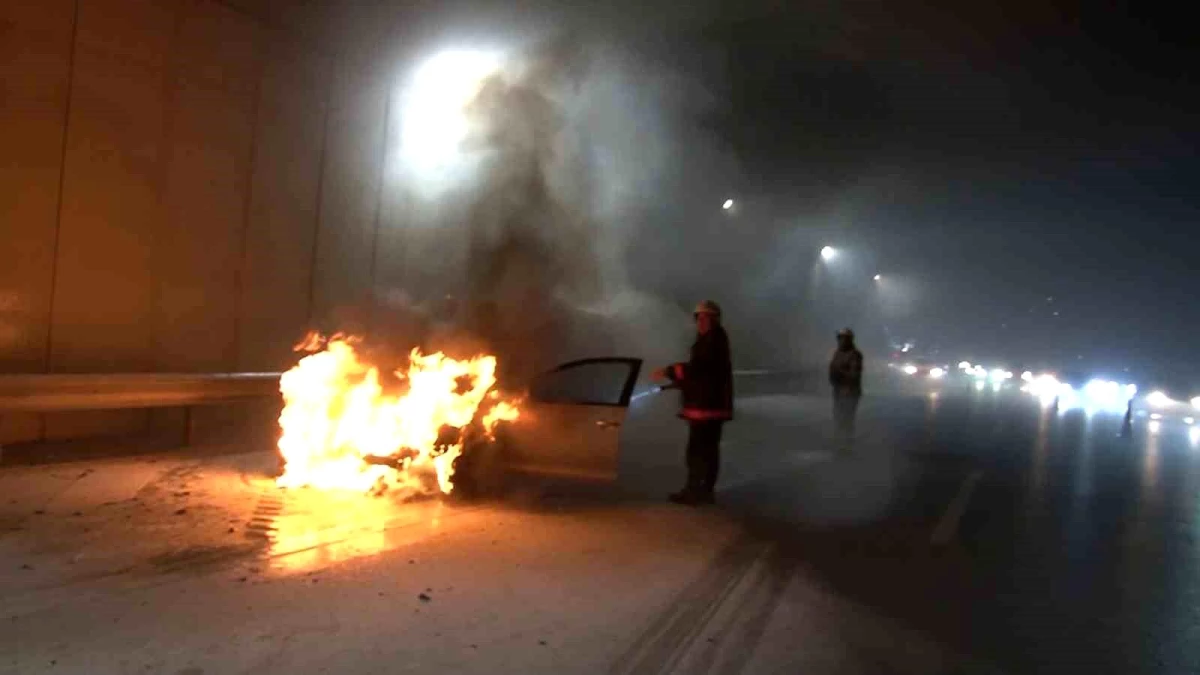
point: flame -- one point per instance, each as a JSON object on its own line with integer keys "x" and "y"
{"x": 312, "y": 342}
{"x": 343, "y": 428}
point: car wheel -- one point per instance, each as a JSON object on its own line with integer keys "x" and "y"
{"x": 479, "y": 471}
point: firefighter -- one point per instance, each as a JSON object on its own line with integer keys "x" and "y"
{"x": 706, "y": 385}
{"x": 845, "y": 376}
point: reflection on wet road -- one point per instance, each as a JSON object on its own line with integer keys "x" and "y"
{"x": 304, "y": 530}
{"x": 1039, "y": 540}
{"x": 1081, "y": 539}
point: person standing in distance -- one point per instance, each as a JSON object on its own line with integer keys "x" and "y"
{"x": 845, "y": 375}
{"x": 706, "y": 385}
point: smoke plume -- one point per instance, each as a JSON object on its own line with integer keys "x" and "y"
{"x": 523, "y": 254}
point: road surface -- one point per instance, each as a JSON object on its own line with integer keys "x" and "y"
{"x": 970, "y": 532}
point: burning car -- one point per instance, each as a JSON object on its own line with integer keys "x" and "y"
{"x": 441, "y": 425}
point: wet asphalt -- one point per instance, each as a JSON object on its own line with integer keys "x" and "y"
{"x": 1035, "y": 541}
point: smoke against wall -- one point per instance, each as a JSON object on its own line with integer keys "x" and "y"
{"x": 516, "y": 241}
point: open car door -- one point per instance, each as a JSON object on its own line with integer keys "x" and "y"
{"x": 570, "y": 423}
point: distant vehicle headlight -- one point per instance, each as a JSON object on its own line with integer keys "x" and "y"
{"x": 910, "y": 369}
{"x": 1105, "y": 395}
{"x": 1158, "y": 399}
{"x": 936, "y": 373}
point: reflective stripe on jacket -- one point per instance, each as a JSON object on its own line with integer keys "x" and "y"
{"x": 706, "y": 380}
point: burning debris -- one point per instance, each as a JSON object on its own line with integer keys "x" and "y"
{"x": 346, "y": 425}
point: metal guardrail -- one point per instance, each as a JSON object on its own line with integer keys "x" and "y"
{"x": 112, "y": 391}
{"x": 60, "y": 392}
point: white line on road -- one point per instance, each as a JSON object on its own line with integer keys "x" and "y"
{"x": 948, "y": 525}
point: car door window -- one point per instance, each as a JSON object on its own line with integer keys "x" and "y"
{"x": 591, "y": 382}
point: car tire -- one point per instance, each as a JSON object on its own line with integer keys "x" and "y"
{"x": 479, "y": 472}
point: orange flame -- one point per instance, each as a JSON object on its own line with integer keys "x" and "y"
{"x": 341, "y": 429}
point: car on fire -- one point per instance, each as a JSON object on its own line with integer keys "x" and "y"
{"x": 569, "y": 428}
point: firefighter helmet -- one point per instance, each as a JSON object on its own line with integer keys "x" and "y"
{"x": 708, "y": 307}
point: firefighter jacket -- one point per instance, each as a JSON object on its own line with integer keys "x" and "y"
{"x": 706, "y": 380}
{"x": 845, "y": 371}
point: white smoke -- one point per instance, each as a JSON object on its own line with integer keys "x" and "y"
{"x": 527, "y": 228}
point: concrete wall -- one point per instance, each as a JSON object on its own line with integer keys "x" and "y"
{"x": 185, "y": 185}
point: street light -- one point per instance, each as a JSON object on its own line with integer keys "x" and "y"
{"x": 878, "y": 277}
{"x": 828, "y": 253}
{"x": 728, "y": 204}
{"x": 435, "y": 108}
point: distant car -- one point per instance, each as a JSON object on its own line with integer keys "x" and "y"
{"x": 569, "y": 427}
{"x": 1171, "y": 402}
{"x": 922, "y": 368}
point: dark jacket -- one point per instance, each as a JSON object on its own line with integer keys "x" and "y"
{"x": 706, "y": 380}
{"x": 845, "y": 371}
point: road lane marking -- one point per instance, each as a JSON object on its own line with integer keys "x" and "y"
{"x": 948, "y": 525}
